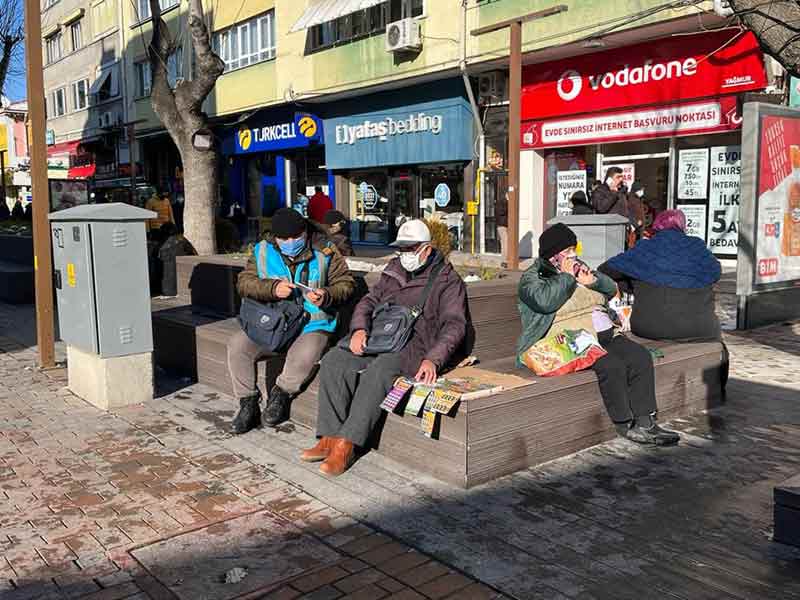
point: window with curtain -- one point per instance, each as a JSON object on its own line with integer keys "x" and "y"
{"x": 80, "y": 94}
{"x": 247, "y": 43}
{"x": 143, "y": 7}
{"x": 54, "y": 48}
{"x": 76, "y": 34}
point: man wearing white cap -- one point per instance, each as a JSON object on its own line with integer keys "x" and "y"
{"x": 355, "y": 380}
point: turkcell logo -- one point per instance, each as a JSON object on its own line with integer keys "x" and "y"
{"x": 304, "y": 127}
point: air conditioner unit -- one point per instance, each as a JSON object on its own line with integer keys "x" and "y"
{"x": 106, "y": 119}
{"x": 492, "y": 87}
{"x": 403, "y": 35}
{"x": 723, "y": 8}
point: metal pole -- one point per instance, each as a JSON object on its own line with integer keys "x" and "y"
{"x": 2, "y": 175}
{"x": 43, "y": 262}
{"x": 132, "y": 158}
{"x": 514, "y": 127}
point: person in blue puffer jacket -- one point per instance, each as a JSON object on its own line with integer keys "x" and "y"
{"x": 672, "y": 277}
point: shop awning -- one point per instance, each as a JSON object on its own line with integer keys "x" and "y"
{"x": 323, "y": 11}
{"x": 105, "y": 74}
{"x": 82, "y": 172}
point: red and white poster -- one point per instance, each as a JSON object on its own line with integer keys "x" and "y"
{"x": 710, "y": 116}
{"x": 664, "y": 71}
{"x": 778, "y": 200}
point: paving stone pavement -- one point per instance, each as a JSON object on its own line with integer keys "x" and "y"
{"x": 159, "y": 501}
{"x": 107, "y": 506}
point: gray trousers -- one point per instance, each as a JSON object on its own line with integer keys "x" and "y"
{"x": 301, "y": 359}
{"x": 351, "y": 389}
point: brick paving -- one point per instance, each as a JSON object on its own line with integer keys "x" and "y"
{"x": 92, "y": 504}
{"x": 158, "y": 501}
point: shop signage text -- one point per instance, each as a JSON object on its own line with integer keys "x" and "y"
{"x": 383, "y": 130}
{"x": 303, "y": 131}
{"x": 703, "y": 117}
{"x": 442, "y": 195}
{"x": 692, "y": 174}
{"x": 723, "y": 199}
{"x": 567, "y": 183}
{"x": 664, "y": 71}
{"x": 695, "y": 219}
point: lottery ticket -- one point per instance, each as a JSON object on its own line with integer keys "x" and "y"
{"x": 417, "y": 400}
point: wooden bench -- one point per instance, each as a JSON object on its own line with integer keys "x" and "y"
{"x": 487, "y": 437}
{"x": 787, "y": 512}
{"x": 16, "y": 269}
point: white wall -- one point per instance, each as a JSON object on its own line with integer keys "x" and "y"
{"x": 531, "y": 209}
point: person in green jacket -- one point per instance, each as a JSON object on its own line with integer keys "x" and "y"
{"x": 559, "y": 292}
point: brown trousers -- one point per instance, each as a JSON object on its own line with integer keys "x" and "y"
{"x": 301, "y": 361}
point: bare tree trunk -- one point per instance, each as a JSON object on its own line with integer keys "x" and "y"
{"x": 200, "y": 174}
{"x": 776, "y": 24}
{"x": 181, "y": 112}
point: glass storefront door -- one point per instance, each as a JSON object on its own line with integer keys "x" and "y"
{"x": 402, "y": 203}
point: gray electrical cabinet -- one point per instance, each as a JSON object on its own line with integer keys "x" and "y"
{"x": 601, "y": 236}
{"x": 101, "y": 278}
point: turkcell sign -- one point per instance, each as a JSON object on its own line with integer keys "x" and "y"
{"x": 303, "y": 131}
{"x": 435, "y": 131}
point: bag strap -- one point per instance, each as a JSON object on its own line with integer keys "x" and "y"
{"x": 417, "y": 310}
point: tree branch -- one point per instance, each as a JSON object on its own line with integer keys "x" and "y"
{"x": 776, "y": 24}
{"x": 209, "y": 66}
{"x": 161, "y": 94}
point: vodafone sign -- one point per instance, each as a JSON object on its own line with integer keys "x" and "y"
{"x": 665, "y": 71}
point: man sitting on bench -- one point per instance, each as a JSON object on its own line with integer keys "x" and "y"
{"x": 354, "y": 381}
{"x": 291, "y": 250}
{"x": 558, "y": 293}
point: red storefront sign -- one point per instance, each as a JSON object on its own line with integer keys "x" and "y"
{"x": 668, "y": 70}
{"x": 711, "y": 115}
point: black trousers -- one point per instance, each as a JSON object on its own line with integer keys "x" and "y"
{"x": 626, "y": 377}
{"x": 351, "y": 389}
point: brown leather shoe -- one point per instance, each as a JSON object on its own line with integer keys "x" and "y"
{"x": 319, "y": 452}
{"x": 341, "y": 457}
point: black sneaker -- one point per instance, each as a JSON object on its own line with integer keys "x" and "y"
{"x": 277, "y": 409}
{"x": 249, "y": 415}
{"x": 646, "y": 431}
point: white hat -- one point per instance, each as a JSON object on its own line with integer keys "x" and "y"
{"x": 412, "y": 233}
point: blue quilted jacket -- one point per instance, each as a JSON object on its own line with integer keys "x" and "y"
{"x": 670, "y": 259}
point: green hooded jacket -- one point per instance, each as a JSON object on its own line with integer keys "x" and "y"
{"x": 542, "y": 291}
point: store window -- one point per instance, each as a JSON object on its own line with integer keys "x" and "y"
{"x": 143, "y": 79}
{"x": 143, "y": 7}
{"x": 369, "y": 209}
{"x": 442, "y": 189}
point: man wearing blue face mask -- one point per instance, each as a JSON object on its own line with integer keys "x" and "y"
{"x": 294, "y": 255}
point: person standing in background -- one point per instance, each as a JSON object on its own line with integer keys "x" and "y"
{"x": 160, "y": 204}
{"x": 318, "y": 205}
{"x": 608, "y": 198}
{"x": 501, "y": 217}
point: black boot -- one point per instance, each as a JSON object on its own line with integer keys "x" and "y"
{"x": 249, "y": 415}
{"x": 277, "y": 409}
{"x": 645, "y": 430}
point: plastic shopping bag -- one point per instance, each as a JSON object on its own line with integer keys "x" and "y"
{"x": 566, "y": 352}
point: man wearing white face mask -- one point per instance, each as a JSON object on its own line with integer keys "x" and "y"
{"x": 353, "y": 383}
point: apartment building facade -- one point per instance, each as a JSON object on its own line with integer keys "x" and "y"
{"x": 84, "y": 91}
{"x": 369, "y": 100}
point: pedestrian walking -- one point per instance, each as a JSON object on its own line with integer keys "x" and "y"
{"x": 319, "y": 204}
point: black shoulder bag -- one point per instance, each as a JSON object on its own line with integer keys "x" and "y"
{"x": 393, "y": 324}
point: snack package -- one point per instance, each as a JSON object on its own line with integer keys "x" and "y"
{"x": 622, "y": 307}
{"x": 566, "y": 352}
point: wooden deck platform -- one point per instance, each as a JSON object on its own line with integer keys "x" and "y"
{"x": 487, "y": 437}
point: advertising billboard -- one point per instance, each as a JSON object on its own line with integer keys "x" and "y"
{"x": 769, "y": 248}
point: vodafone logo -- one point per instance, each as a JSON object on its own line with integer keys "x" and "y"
{"x": 570, "y": 85}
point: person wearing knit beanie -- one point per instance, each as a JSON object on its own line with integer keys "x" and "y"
{"x": 555, "y": 239}
{"x": 558, "y": 294}
{"x": 287, "y": 223}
